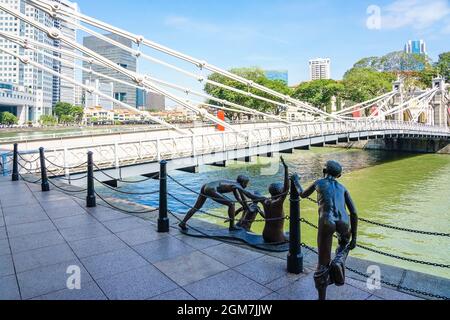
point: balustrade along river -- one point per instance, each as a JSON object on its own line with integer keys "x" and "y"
{"x": 398, "y": 189}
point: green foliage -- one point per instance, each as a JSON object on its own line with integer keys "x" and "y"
{"x": 7, "y": 118}
{"x": 319, "y": 92}
{"x": 48, "y": 120}
{"x": 77, "y": 113}
{"x": 62, "y": 109}
{"x": 365, "y": 84}
{"x": 395, "y": 62}
{"x": 66, "y": 119}
{"x": 68, "y": 113}
{"x": 443, "y": 65}
{"x": 253, "y": 74}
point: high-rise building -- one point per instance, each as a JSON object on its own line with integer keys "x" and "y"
{"x": 319, "y": 69}
{"x": 282, "y": 75}
{"x": 416, "y": 47}
{"x": 48, "y": 88}
{"x": 123, "y": 93}
{"x": 93, "y": 100}
{"x": 150, "y": 101}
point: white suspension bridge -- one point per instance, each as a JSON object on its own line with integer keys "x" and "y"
{"x": 397, "y": 114}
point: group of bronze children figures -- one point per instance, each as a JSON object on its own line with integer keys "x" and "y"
{"x": 337, "y": 215}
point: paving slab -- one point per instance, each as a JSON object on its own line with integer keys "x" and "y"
{"x": 142, "y": 235}
{"x": 275, "y": 296}
{"x": 263, "y": 270}
{"x": 37, "y": 258}
{"x": 304, "y": 289}
{"x": 25, "y": 229}
{"x": 87, "y": 292}
{"x": 23, "y": 214}
{"x": 78, "y": 221}
{"x": 4, "y": 247}
{"x": 428, "y": 283}
{"x": 59, "y": 204}
{"x": 64, "y": 212}
{"x": 95, "y": 246}
{"x": 174, "y": 295}
{"x": 190, "y": 268}
{"x": 137, "y": 284}
{"x": 9, "y": 289}
{"x": 6, "y": 266}
{"x": 286, "y": 280}
{"x": 89, "y": 231}
{"x": 111, "y": 263}
{"x": 384, "y": 293}
{"x": 120, "y": 225}
{"x": 35, "y": 241}
{"x": 104, "y": 214}
{"x": 228, "y": 285}
{"x": 390, "y": 274}
{"x": 43, "y": 197}
{"x": 231, "y": 256}
{"x": 197, "y": 243}
{"x": 41, "y": 281}
{"x": 3, "y": 235}
{"x": 22, "y": 201}
{"x": 164, "y": 249}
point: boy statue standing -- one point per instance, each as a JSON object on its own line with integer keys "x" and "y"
{"x": 334, "y": 200}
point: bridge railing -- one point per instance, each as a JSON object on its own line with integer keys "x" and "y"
{"x": 123, "y": 153}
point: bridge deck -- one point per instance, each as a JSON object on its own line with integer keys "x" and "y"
{"x": 123, "y": 257}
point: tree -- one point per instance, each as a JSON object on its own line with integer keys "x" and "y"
{"x": 362, "y": 84}
{"x": 443, "y": 65}
{"x": 48, "y": 120}
{"x": 62, "y": 109}
{"x": 319, "y": 92}
{"x": 68, "y": 113}
{"x": 67, "y": 119}
{"x": 8, "y": 118}
{"x": 77, "y": 113}
{"x": 397, "y": 61}
{"x": 253, "y": 74}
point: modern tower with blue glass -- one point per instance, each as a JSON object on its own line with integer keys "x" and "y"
{"x": 416, "y": 47}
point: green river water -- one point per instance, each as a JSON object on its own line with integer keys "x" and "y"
{"x": 406, "y": 190}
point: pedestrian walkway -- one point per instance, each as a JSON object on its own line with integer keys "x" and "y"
{"x": 44, "y": 235}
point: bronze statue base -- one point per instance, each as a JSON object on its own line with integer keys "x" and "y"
{"x": 251, "y": 239}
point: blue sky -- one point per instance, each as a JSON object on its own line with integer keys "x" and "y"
{"x": 278, "y": 34}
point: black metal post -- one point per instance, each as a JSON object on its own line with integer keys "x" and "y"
{"x": 15, "y": 173}
{"x": 90, "y": 199}
{"x": 163, "y": 220}
{"x": 45, "y": 186}
{"x": 295, "y": 257}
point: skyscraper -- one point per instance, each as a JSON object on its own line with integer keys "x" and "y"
{"x": 320, "y": 69}
{"x": 48, "y": 88}
{"x": 282, "y": 75}
{"x": 416, "y": 47}
{"x": 124, "y": 93}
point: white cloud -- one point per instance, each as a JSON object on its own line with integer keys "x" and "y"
{"x": 418, "y": 14}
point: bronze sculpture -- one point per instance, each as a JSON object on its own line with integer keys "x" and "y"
{"x": 333, "y": 200}
{"x": 274, "y": 209}
{"x": 217, "y": 191}
{"x": 249, "y": 214}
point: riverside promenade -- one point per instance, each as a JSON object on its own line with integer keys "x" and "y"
{"x": 122, "y": 257}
